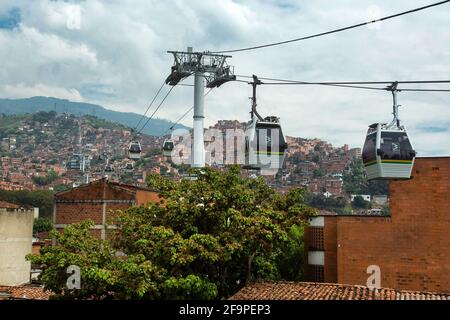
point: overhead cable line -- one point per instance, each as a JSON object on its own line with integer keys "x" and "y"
{"x": 335, "y": 30}
{"x": 312, "y": 83}
{"x": 349, "y": 84}
{"x": 184, "y": 115}
{"x": 160, "y": 104}
{"x": 149, "y": 106}
{"x": 430, "y": 90}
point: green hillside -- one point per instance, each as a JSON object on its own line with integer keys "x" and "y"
{"x": 155, "y": 127}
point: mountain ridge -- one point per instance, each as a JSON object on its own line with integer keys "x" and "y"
{"x": 155, "y": 127}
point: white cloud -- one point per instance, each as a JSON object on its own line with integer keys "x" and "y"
{"x": 117, "y": 57}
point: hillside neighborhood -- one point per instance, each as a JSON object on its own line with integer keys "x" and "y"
{"x": 53, "y": 151}
{"x": 201, "y": 159}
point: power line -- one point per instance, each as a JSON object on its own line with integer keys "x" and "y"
{"x": 160, "y": 104}
{"x": 431, "y": 90}
{"x": 312, "y": 83}
{"x": 335, "y": 30}
{"x": 184, "y": 115}
{"x": 350, "y": 86}
{"x": 148, "y": 108}
{"x": 348, "y": 82}
{"x": 358, "y": 82}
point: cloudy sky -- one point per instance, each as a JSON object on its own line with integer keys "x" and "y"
{"x": 114, "y": 53}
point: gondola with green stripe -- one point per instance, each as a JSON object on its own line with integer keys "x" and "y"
{"x": 265, "y": 144}
{"x": 388, "y": 153}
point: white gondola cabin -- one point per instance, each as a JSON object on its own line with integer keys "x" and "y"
{"x": 388, "y": 152}
{"x": 265, "y": 144}
{"x": 168, "y": 147}
{"x": 134, "y": 150}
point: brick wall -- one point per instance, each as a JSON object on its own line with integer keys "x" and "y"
{"x": 98, "y": 201}
{"x": 68, "y": 213}
{"x": 412, "y": 247}
{"x": 143, "y": 197}
{"x": 330, "y": 248}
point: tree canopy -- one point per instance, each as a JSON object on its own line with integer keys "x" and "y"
{"x": 42, "y": 199}
{"x": 204, "y": 240}
{"x": 356, "y": 182}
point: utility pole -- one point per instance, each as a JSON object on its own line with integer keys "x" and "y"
{"x": 204, "y": 65}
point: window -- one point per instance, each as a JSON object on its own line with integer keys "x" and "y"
{"x": 396, "y": 146}
{"x": 369, "y": 150}
{"x": 316, "y": 238}
{"x": 264, "y": 135}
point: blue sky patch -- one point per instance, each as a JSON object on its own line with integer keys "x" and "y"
{"x": 11, "y": 20}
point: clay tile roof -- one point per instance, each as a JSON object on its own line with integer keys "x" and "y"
{"x": 327, "y": 213}
{"x": 285, "y": 290}
{"x": 28, "y": 292}
{"x": 8, "y": 205}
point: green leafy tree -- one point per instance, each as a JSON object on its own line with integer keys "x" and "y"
{"x": 42, "y": 225}
{"x": 359, "y": 202}
{"x": 204, "y": 240}
{"x": 319, "y": 201}
{"x": 104, "y": 273}
{"x": 50, "y": 177}
{"x": 356, "y": 182}
{"x": 42, "y": 199}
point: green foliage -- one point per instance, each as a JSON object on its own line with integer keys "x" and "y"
{"x": 104, "y": 274}
{"x": 102, "y": 123}
{"x": 61, "y": 188}
{"x": 190, "y": 288}
{"x": 204, "y": 240}
{"x": 355, "y": 181}
{"x": 43, "y": 116}
{"x": 359, "y": 202}
{"x": 10, "y": 123}
{"x": 42, "y": 199}
{"x": 42, "y": 225}
{"x": 336, "y": 204}
{"x": 50, "y": 177}
{"x": 291, "y": 255}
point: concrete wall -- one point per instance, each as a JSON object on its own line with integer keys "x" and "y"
{"x": 16, "y": 229}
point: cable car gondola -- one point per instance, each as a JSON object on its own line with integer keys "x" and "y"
{"x": 167, "y": 148}
{"x": 265, "y": 144}
{"x": 134, "y": 150}
{"x": 261, "y": 150}
{"x": 388, "y": 152}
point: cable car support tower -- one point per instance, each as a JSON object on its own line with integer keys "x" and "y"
{"x": 205, "y": 66}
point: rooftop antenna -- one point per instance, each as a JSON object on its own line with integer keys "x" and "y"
{"x": 204, "y": 65}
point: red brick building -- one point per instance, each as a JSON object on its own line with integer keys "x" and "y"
{"x": 411, "y": 247}
{"x": 96, "y": 201}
